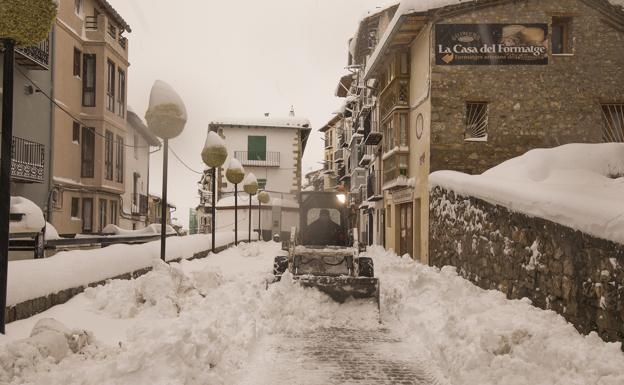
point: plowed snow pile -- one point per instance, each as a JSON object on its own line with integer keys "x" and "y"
{"x": 197, "y": 322}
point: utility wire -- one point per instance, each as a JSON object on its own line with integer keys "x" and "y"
{"x": 183, "y": 163}
{"x": 70, "y": 114}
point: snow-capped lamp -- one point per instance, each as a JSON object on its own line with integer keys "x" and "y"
{"x": 250, "y": 185}
{"x": 264, "y": 197}
{"x": 22, "y": 23}
{"x": 27, "y": 22}
{"x": 214, "y": 155}
{"x": 215, "y": 152}
{"x": 165, "y": 117}
{"x": 166, "y": 114}
{"x": 235, "y": 174}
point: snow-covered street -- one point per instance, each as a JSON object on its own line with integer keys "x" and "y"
{"x": 213, "y": 321}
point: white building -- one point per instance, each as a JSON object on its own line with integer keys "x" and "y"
{"x": 272, "y": 149}
{"x": 134, "y": 213}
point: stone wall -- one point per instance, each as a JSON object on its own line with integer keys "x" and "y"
{"x": 577, "y": 275}
{"x": 34, "y": 306}
{"x": 530, "y": 106}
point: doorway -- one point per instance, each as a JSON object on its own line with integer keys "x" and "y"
{"x": 405, "y": 229}
{"x": 87, "y": 215}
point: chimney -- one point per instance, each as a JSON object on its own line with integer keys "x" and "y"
{"x": 266, "y": 114}
{"x": 292, "y": 111}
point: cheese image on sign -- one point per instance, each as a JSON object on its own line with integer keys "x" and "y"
{"x": 491, "y": 44}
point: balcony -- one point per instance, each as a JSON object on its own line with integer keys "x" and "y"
{"x": 373, "y": 187}
{"x": 35, "y": 57}
{"x": 27, "y": 161}
{"x": 395, "y": 169}
{"x": 100, "y": 28}
{"x": 259, "y": 159}
{"x": 339, "y": 156}
{"x": 396, "y": 94}
{"x": 139, "y": 204}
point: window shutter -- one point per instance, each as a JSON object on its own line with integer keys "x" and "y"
{"x": 256, "y": 148}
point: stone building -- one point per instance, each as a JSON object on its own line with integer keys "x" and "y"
{"x": 330, "y": 168}
{"x": 465, "y": 86}
{"x": 89, "y": 126}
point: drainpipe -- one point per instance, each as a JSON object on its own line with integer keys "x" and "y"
{"x": 52, "y": 127}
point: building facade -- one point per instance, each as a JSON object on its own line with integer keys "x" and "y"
{"x": 271, "y": 149}
{"x": 32, "y": 112}
{"x": 89, "y": 126}
{"x": 134, "y": 212}
{"x": 467, "y": 86}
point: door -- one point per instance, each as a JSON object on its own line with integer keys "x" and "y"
{"x": 405, "y": 229}
{"x": 370, "y": 228}
{"x": 87, "y": 215}
{"x": 102, "y": 215}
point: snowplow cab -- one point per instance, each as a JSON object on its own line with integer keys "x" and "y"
{"x": 323, "y": 252}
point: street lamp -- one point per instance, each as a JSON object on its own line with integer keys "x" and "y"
{"x": 235, "y": 174}
{"x": 214, "y": 155}
{"x": 23, "y": 23}
{"x": 250, "y": 185}
{"x": 166, "y": 117}
{"x": 263, "y": 197}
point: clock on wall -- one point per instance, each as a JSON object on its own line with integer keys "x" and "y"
{"x": 419, "y": 126}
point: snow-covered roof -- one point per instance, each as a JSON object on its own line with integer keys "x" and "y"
{"x": 577, "y": 185}
{"x": 138, "y": 124}
{"x": 281, "y": 122}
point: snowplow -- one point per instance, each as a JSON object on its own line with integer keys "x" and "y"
{"x": 324, "y": 251}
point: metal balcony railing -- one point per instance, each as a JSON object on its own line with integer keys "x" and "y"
{"x": 396, "y": 94}
{"x": 257, "y": 158}
{"x": 34, "y": 56}
{"x": 27, "y": 161}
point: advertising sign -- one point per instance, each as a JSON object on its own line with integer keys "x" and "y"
{"x": 491, "y": 44}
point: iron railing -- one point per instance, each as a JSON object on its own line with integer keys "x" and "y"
{"x": 27, "y": 161}
{"x": 34, "y": 56}
{"x": 258, "y": 158}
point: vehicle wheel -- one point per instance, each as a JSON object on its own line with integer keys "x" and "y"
{"x": 280, "y": 265}
{"x": 366, "y": 267}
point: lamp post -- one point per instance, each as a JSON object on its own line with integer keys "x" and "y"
{"x": 235, "y": 174}
{"x": 214, "y": 155}
{"x": 166, "y": 117}
{"x": 23, "y": 23}
{"x": 250, "y": 185}
{"x": 263, "y": 197}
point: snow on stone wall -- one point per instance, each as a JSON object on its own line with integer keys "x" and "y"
{"x": 558, "y": 268}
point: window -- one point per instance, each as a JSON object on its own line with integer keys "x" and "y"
{"x": 262, "y": 183}
{"x": 121, "y": 94}
{"x": 78, "y": 7}
{"x": 87, "y": 157}
{"x": 476, "y": 121}
{"x": 77, "y": 59}
{"x": 76, "y": 132}
{"x": 75, "y": 207}
{"x": 102, "y": 214}
{"x": 135, "y": 188}
{"x": 389, "y": 130}
{"x": 613, "y": 122}
{"x": 136, "y": 146}
{"x": 88, "y": 80}
{"x": 108, "y": 155}
{"x": 110, "y": 86}
{"x": 87, "y": 215}
{"x": 256, "y": 148}
{"x": 119, "y": 160}
{"x": 113, "y": 213}
{"x": 561, "y": 36}
{"x": 403, "y": 130}
{"x": 404, "y": 64}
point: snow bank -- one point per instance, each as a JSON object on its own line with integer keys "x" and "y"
{"x": 577, "y": 185}
{"x": 153, "y": 229}
{"x": 31, "y": 222}
{"x": 478, "y": 336}
{"x": 29, "y": 279}
{"x": 51, "y": 232}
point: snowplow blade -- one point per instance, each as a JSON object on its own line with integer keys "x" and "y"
{"x": 342, "y": 288}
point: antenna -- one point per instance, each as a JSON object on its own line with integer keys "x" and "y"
{"x": 292, "y": 111}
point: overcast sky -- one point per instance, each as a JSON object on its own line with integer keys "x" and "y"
{"x": 237, "y": 58}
